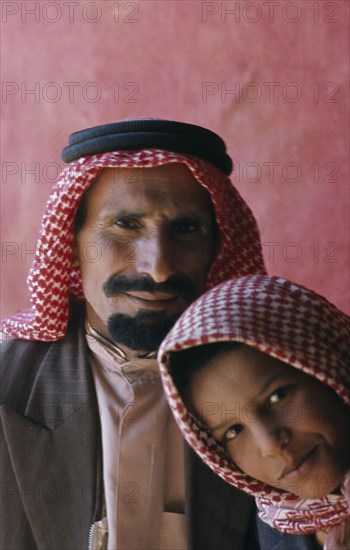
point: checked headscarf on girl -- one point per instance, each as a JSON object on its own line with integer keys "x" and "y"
{"x": 257, "y": 374}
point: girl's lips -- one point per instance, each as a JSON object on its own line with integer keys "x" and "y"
{"x": 300, "y": 467}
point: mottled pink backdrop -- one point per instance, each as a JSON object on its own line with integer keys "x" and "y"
{"x": 269, "y": 76}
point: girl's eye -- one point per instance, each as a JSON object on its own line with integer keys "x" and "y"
{"x": 232, "y": 432}
{"x": 278, "y": 395}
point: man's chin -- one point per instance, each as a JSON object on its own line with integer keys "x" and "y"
{"x": 143, "y": 332}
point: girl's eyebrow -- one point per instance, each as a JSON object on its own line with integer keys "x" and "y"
{"x": 262, "y": 390}
{"x": 270, "y": 381}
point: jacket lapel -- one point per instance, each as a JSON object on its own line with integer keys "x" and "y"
{"x": 218, "y": 514}
{"x": 55, "y": 447}
{"x": 63, "y": 383}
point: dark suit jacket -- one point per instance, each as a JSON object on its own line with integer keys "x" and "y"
{"x": 51, "y": 469}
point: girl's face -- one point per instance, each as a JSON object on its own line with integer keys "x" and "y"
{"x": 279, "y": 425}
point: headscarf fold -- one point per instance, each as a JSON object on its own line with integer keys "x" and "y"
{"x": 296, "y": 326}
{"x": 53, "y": 278}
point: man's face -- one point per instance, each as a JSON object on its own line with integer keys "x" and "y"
{"x": 144, "y": 250}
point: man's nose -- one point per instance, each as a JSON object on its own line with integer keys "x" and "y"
{"x": 270, "y": 439}
{"x": 154, "y": 257}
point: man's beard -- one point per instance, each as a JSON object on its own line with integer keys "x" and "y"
{"x": 143, "y": 332}
{"x": 146, "y": 330}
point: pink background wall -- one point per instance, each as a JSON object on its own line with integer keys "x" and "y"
{"x": 269, "y": 77}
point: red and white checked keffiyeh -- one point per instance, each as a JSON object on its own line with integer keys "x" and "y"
{"x": 53, "y": 278}
{"x": 295, "y": 325}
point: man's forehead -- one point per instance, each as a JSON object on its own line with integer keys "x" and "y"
{"x": 162, "y": 173}
{"x": 171, "y": 180}
{"x": 133, "y": 188}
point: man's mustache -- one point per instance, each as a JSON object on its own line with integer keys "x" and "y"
{"x": 180, "y": 286}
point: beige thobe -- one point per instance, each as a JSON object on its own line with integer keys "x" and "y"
{"x": 142, "y": 452}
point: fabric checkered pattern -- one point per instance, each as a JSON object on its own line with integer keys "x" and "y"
{"x": 53, "y": 277}
{"x": 294, "y": 325}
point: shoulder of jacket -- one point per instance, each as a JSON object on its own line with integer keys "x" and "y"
{"x": 20, "y": 362}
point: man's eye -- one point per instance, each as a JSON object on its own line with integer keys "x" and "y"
{"x": 127, "y": 223}
{"x": 278, "y": 395}
{"x": 232, "y": 432}
{"x": 185, "y": 226}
